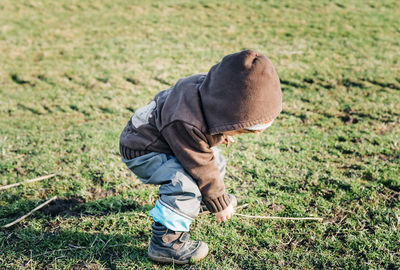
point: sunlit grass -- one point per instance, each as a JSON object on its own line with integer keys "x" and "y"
{"x": 72, "y": 73}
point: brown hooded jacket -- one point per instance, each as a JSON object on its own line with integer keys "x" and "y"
{"x": 189, "y": 118}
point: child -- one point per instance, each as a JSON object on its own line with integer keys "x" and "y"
{"x": 171, "y": 142}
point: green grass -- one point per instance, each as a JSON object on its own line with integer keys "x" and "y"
{"x": 72, "y": 73}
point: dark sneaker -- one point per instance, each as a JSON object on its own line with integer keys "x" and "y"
{"x": 174, "y": 247}
{"x": 232, "y": 198}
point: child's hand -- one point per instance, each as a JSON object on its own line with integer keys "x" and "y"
{"x": 225, "y": 214}
{"x": 228, "y": 140}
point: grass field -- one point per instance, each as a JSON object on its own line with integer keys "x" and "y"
{"x": 73, "y": 72}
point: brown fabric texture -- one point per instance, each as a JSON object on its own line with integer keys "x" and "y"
{"x": 218, "y": 204}
{"x": 192, "y": 149}
{"x": 128, "y": 153}
{"x": 189, "y": 118}
{"x": 246, "y": 85}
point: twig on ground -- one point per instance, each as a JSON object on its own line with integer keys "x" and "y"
{"x": 29, "y": 181}
{"x": 282, "y": 218}
{"x": 51, "y": 252}
{"x": 242, "y": 206}
{"x": 267, "y": 217}
{"x": 105, "y": 244}
{"x": 77, "y": 247}
{"x": 119, "y": 245}
{"x": 30, "y": 213}
{"x": 31, "y": 259}
{"x": 94, "y": 241}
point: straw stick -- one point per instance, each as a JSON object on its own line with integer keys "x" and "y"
{"x": 29, "y": 181}
{"x": 30, "y": 213}
{"x": 282, "y": 218}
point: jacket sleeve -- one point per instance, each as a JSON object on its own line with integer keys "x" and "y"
{"x": 191, "y": 148}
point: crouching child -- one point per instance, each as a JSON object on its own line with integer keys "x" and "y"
{"x": 172, "y": 142}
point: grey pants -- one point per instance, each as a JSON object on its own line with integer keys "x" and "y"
{"x": 180, "y": 197}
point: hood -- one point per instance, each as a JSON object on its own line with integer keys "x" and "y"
{"x": 241, "y": 91}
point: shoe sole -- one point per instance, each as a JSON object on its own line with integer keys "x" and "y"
{"x": 195, "y": 258}
{"x": 167, "y": 260}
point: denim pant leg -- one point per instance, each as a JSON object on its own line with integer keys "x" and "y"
{"x": 180, "y": 197}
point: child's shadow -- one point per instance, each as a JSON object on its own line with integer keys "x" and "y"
{"x": 76, "y": 206}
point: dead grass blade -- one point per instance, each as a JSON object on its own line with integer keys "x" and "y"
{"x": 28, "y": 181}
{"x": 281, "y": 218}
{"x": 30, "y": 213}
